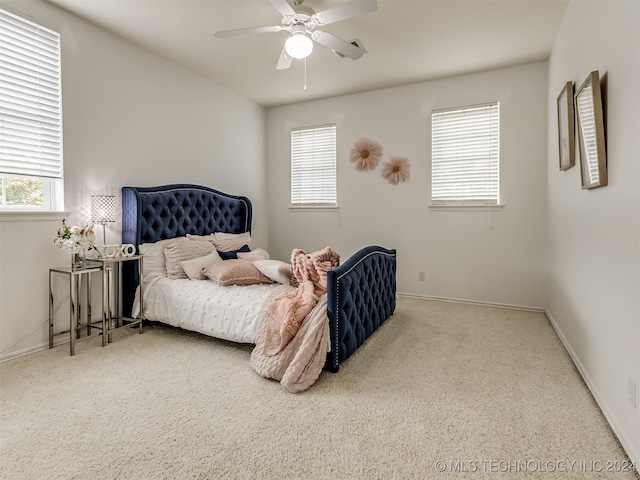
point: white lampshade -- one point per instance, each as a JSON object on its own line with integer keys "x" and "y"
{"x": 103, "y": 208}
{"x": 298, "y": 45}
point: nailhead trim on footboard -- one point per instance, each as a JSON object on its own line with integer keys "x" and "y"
{"x": 361, "y": 296}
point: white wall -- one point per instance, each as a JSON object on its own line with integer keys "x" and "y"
{"x": 498, "y": 257}
{"x": 594, "y": 294}
{"x": 130, "y": 118}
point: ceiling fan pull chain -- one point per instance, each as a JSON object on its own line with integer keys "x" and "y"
{"x": 305, "y": 74}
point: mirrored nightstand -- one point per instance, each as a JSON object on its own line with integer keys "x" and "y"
{"x": 111, "y": 268}
{"x": 76, "y": 305}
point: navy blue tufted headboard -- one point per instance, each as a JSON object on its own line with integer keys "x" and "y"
{"x": 150, "y": 214}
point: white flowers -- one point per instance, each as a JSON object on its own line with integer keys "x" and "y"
{"x": 75, "y": 238}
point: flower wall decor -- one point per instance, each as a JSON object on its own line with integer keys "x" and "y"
{"x": 396, "y": 170}
{"x": 365, "y": 154}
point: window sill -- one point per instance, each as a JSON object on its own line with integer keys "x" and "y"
{"x": 6, "y": 216}
{"x": 467, "y": 208}
{"x": 314, "y": 208}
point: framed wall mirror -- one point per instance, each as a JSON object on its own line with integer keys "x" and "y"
{"x": 566, "y": 128}
{"x": 590, "y": 119}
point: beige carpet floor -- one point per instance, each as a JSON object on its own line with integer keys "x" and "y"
{"x": 442, "y": 390}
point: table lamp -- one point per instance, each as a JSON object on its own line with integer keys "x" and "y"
{"x": 103, "y": 210}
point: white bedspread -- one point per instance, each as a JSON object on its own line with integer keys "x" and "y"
{"x": 226, "y": 312}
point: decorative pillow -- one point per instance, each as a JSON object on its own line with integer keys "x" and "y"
{"x": 224, "y": 236}
{"x": 205, "y": 238}
{"x": 225, "y": 242}
{"x": 193, "y": 268}
{"x": 231, "y": 241}
{"x": 276, "y": 270}
{"x": 176, "y": 253}
{"x": 255, "y": 255}
{"x": 233, "y": 254}
{"x": 235, "y": 272}
{"x": 154, "y": 261}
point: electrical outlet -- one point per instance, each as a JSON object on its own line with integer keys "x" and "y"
{"x": 632, "y": 392}
{"x": 421, "y": 276}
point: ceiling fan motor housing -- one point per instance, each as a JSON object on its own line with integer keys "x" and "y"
{"x": 302, "y": 16}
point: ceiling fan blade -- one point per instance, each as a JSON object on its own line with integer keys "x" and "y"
{"x": 340, "y": 46}
{"x": 248, "y": 31}
{"x": 283, "y": 7}
{"x": 346, "y": 10}
{"x": 285, "y": 60}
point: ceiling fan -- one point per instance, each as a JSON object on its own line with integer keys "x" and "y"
{"x": 302, "y": 22}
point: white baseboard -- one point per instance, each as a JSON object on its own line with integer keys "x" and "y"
{"x": 5, "y": 357}
{"x": 473, "y": 302}
{"x": 626, "y": 443}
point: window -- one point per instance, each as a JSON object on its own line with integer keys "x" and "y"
{"x": 465, "y": 157}
{"x": 31, "y": 115}
{"x": 313, "y": 166}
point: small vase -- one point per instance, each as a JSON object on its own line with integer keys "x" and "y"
{"x": 77, "y": 259}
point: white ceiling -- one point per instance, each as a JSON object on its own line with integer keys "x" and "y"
{"x": 407, "y": 41}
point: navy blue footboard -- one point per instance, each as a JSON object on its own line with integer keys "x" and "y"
{"x": 361, "y": 295}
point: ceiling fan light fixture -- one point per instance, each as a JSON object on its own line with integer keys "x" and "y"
{"x": 298, "y": 45}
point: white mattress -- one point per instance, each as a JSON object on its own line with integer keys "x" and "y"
{"x": 227, "y": 312}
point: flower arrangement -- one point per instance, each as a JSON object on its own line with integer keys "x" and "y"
{"x": 75, "y": 238}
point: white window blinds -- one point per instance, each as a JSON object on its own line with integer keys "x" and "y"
{"x": 30, "y": 99}
{"x": 465, "y": 158}
{"x": 313, "y": 166}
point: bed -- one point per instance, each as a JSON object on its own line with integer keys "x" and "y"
{"x": 361, "y": 292}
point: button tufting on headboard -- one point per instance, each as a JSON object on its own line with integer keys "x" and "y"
{"x": 178, "y": 212}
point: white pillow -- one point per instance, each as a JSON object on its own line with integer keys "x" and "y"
{"x": 226, "y": 242}
{"x": 176, "y": 253}
{"x": 202, "y": 238}
{"x": 194, "y": 267}
{"x": 276, "y": 270}
{"x": 254, "y": 255}
{"x": 226, "y": 236}
{"x": 154, "y": 261}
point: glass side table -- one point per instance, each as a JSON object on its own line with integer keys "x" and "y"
{"x": 111, "y": 268}
{"x": 76, "y": 278}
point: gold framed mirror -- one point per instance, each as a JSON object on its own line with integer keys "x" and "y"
{"x": 590, "y": 120}
{"x": 566, "y": 128}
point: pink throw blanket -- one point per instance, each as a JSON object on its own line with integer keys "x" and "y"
{"x": 287, "y": 311}
{"x": 300, "y": 363}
